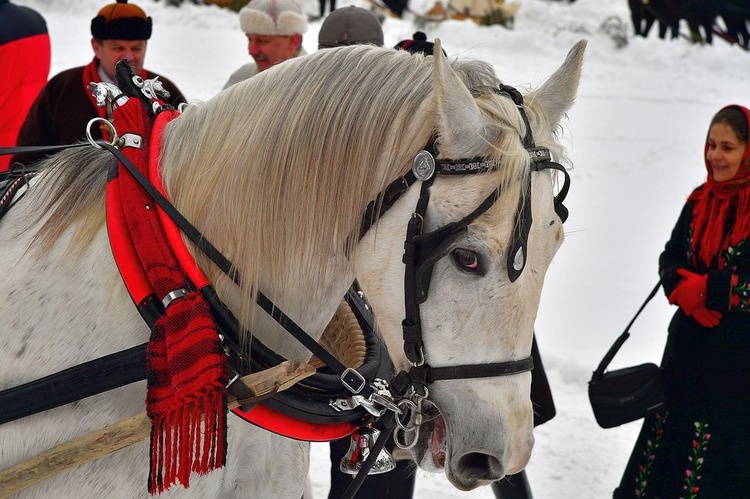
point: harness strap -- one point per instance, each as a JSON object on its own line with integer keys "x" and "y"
{"x": 10, "y": 186}
{"x": 24, "y": 149}
{"x": 76, "y": 383}
{"x": 473, "y": 371}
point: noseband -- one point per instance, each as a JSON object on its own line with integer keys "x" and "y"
{"x": 423, "y": 250}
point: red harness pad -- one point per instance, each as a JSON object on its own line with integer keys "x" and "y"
{"x": 188, "y": 373}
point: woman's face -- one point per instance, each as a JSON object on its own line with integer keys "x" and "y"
{"x": 724, "y": 152}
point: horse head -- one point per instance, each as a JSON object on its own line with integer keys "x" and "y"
{"x": 477, "y": 429}
{"x": 290, "y": 172}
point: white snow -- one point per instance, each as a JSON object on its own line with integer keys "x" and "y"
{"x": 635, "y": 137}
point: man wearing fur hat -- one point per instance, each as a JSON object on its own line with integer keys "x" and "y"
{"x": 64, "y": 107}
{"x": 274, "y": 34}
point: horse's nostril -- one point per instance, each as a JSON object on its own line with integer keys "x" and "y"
{"x": 476, "y": 466}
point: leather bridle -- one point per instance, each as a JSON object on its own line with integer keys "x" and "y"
{"x": 423, "y": 250}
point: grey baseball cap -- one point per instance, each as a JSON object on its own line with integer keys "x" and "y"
{"x": 350, "y": 26}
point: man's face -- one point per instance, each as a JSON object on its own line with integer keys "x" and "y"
{"x": 109, "y": 52}
{"x": 268, "y": 50}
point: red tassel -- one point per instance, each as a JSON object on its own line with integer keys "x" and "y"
{"x": 187, "y": 396}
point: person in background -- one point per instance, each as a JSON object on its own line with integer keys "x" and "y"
{"x": 700, "y": 445}
{"x": 274, "y": 31}
{"x": 417, "y": 44}
{"x": 25, "y": 58}
{"x": 350, "y": 26}
{"x": 64, "y": 107}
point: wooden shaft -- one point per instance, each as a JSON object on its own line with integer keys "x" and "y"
{"x": 130, "y": 430}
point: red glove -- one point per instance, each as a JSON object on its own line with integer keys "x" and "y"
{"x": 690, "y": 296}
{"x": 706, "y": 317}
{"x": 690, "y": 292}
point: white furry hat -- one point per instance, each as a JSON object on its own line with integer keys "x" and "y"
{"x": 273, "y": 17}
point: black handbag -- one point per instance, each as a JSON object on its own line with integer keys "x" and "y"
{"x": 623, "y": 395}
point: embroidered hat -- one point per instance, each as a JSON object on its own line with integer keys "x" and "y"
{"x": 350, "y": 26}
{"x": 273, "y": 17}
{"x": 418, "y": 44}
{"x": 121, "y": 21}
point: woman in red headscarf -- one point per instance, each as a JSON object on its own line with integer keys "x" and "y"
{"x": 700, "y": 446}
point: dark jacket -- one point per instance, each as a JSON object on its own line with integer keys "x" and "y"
{"x": 63, "y": 109}
{"x": 25, "y": 52}
{"x": 701, "y": 442}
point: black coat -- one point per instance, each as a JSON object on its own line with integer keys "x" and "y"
{"x": 702, "y": 441}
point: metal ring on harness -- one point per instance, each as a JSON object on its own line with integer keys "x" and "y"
{"x": 91, "y": 139}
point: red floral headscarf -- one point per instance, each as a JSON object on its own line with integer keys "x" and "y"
{"x": 715, "y": 201}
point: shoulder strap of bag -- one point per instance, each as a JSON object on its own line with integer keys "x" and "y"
{"x": 624, "y": 336}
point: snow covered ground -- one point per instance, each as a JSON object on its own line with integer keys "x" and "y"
{"x": 635, "y": 137}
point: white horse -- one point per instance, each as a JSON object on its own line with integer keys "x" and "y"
{"x": 276, "y": 172}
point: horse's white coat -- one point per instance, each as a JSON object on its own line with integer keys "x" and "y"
{"x": 67, "y": 305}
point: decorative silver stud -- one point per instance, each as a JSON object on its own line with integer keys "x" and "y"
{"x": 518, "y": 260}
{"x": 423, "y": 165}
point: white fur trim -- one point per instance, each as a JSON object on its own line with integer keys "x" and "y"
{"x": 256, "y": 18}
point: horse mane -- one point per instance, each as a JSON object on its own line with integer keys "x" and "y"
{"x": 71, "y": 185}
{"x": 283, "y": 164}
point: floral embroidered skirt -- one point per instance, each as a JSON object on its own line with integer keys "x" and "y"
{"x": 700, "y": 446}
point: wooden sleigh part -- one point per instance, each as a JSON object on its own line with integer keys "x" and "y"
{"x": 482, "y": 12}
{"x": 133, "y": 429}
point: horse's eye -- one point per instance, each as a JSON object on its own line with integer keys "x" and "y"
{"x": 467, "y": 260}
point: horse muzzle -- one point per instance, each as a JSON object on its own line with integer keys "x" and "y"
{"x": 473, "y": 453}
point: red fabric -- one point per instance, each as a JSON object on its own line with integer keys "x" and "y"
{"x": 26, "y": 64}
{"x": 173, "y": 233}
{"x": 287, "y": 426}
{"x": 123, "y": 248}
{"x": 714, "y": 202}
{"x": 186, "y": 397}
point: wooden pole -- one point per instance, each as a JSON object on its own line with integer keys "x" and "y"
{"x": 130, "y": 430}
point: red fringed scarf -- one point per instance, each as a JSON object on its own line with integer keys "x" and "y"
{"x": 187, "y": 369}
{"x": 714, "y": 203}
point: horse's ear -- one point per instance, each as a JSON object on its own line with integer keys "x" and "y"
{"x": 460, "y": 122}
{"x": 557, "y": 93}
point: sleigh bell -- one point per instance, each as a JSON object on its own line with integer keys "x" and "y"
{"x": 360, "y": 447}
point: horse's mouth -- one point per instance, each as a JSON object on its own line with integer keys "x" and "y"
{"x": 439, "y": 445}
{"x": 432, "y": 440}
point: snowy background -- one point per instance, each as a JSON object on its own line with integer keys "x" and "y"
{"x": 635, "y": 137}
